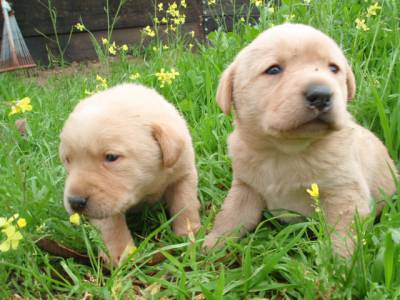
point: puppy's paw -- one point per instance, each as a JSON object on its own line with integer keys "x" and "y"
{"x": 212, "y": 241}
{"x": 106, "y": 260}
{"x": 209, "y": 242}
{"x": 118, "y": 256}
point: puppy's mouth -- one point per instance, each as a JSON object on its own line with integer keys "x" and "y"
{"x": 318, "y": 124}
{"x": 318, "y": 118}
{"x": 322, "y": 119}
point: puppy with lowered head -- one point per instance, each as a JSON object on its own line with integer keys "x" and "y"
{"x": 124, "y": 146}
{"x": 289, "y": 89}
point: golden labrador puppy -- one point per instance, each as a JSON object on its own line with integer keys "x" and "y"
{"x": 289, "y": 89}
{"x": 125, "y": 146}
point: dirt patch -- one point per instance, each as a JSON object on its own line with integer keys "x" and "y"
{"x": 42, "y": 75}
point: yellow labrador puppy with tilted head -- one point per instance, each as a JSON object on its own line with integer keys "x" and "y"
{"x": 122, "y": 147}
{"x": 289, "y": 89}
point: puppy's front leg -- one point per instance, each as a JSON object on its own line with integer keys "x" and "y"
{"x": 116, "y": 235}
{"x": 182, "y": 201}
{"x": 242, "y": 207}
{"x": 340, "y": 209}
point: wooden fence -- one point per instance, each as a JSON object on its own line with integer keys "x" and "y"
{"x": 33, "y": 17}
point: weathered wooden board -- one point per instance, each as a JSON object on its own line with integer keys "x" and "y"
{"x": 81, "y": 47}
{"x": 34, "y": 15}
{"x": 229, "y": 11}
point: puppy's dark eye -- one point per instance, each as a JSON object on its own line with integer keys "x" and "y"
{"x": 274, "y": 70}
{"x": 333, "y": 68}
{"x": 111, "y": 157}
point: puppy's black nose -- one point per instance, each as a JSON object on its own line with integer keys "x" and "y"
{"x": 319, "y": 97}
{"x": 77, "y": 203}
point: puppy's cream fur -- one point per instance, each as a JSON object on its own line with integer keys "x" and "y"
{"x": 155, "y": 159}
{"x": 280, "y": 145}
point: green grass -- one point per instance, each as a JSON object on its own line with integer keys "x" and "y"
{"x": 275, "y": 261}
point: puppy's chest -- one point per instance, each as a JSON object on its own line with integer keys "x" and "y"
{"x": 282, "y": 185}
{"x": 282, "y": 181}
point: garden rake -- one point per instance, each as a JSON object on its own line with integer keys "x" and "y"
{"x": 14, "y": 52}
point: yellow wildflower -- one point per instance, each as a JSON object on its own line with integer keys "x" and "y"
{"x": 6, "y": 222}
{"x": 75, "y": 219}
{"x": 373, "y": 9}
{"x": 180, "y": 20}
{"x": 190, "y": 46}
{"x": 102, "y": 82}
{"x": 149, "y": 32}
{"x": 360, "y": 24}
{"x": 134, "y": 76}
{"x": 21, "y": 106}
{"x": 314, "y": 192}
{"x": 242, "y": 20}
{"x": 192, "y": 33}
{"x": 173, "y": 10}
{"x": 21, "y": 223}
{"x": 3, "y": 222}
{"x": 160, "y": 6}
{"x": 211, "y": 2}
{"x": 156, "y": 20}
{"x": 155, "y": 49}
{"x": 124, "y": 47}
{"x": 183, "y": 3}
{"x": 166, "y": 77}
{"x": 79, "y": 26}
{"x": 164, "y": 20}
{"x": 257, "y": 3}
{"x": 13, "y": 238}
{"x": 112, "y": 49}
{"x": 104, "y": 41}
{"x": 165, "y": 47}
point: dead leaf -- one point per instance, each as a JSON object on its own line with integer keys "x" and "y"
{"x": 17, "y": 297}
{"x": 57, "y": 249}
{"x": 156, "y": 259}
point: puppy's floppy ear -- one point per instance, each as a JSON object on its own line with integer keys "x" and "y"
{"x": 225, "y": 89}
{"x": 171, "y": 144}
{"x": 350, "y": 82}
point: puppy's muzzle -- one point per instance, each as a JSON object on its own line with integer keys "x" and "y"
{"x": 78, "y": 203}
{"x": 319, "y": 97}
